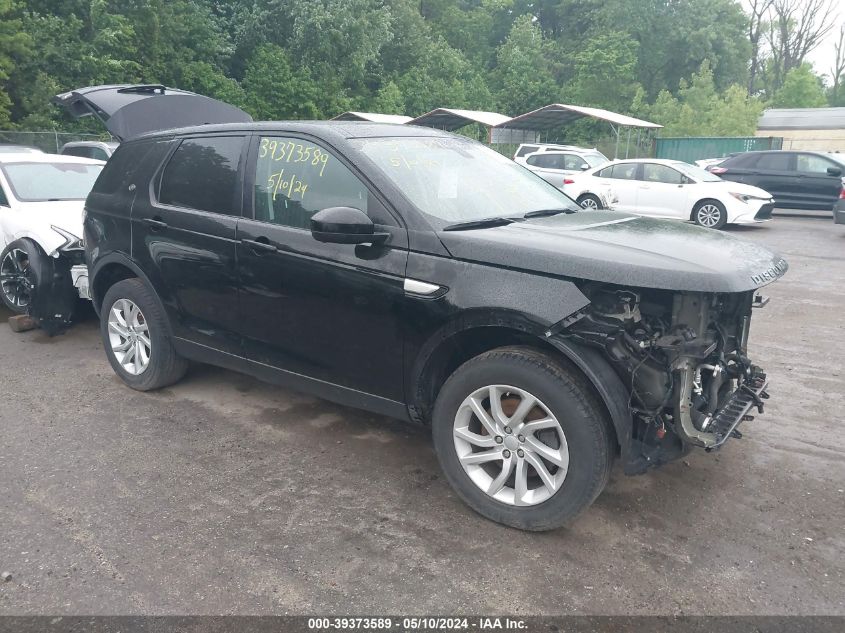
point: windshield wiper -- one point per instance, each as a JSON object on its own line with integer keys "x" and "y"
{"x": 480, "y": 224}
{"x": 542, "y": 213}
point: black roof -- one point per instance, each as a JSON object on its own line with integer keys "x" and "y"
{"x": 338, "y": 129}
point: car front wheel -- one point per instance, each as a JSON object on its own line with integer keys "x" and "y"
{"x": 710, "y": 214}
{"x": 590, "y": 202}
{"x": 522, "y": 439}
{"x": 136, "y": 338}
{"x": 16, "y": 280}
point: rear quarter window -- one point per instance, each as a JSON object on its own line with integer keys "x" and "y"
{"x": 120, "y": 169}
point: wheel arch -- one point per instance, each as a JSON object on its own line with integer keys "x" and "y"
{"x": 454, "y": 345}
{"x": 108, "y": 271}
{"x": 701, "y": 201}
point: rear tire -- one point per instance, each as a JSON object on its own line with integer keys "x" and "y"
{"x": 571, "y": 440}
{"x": 711, "y": 214}
{"x": 136, "y": 338}
{"x": 590, "y": 202}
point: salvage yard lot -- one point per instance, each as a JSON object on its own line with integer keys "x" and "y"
{"x": 222, "y": 494}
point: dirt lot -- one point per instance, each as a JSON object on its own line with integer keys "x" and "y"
{"x": 226, "y": 495}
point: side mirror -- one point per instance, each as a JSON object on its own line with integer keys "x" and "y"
{"x": 345, "y": 225}
{"x": 584, "y": 167}
{"x": 834, "y": 171}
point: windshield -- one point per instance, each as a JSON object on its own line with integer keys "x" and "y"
{"x": 454, "y": 180}
{"x": 696, "y": 173}
{"x": 36, "y": 182}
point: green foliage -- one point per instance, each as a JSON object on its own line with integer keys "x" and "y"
{"x": 801, "y": 88}
{"x": 677, "y": 62}
{"x": 699, "y": 110}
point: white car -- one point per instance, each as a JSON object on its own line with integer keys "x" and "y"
{"x": 525, "y": 149}
{"x": 673, "y": 189}
{"x": 557, "y": 166}
{"x": 42, "y": 197}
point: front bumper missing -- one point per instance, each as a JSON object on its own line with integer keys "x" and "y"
{"x": 735, "y": 411}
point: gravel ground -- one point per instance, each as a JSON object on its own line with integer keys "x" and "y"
{"x": 225, "y": 495}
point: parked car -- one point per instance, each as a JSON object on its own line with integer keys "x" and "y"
{"x": 673, "y": 189}
{"x": 554, "y": 166}
{"x": 99, "y": 150}
{"x": 525, "y": 149}
{"x": 6, "y": 148}
{"x": 41, "y": 202}
{"x": 704, "y": 163}
{"x": 420, "y": 275}
{"x": 796, "y": 179}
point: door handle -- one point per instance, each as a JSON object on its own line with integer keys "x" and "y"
{"x": 260, "y": 245}
{"x": 156, "y": 223}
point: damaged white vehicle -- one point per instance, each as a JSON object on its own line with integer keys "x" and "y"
{"x": 42, "y": 265}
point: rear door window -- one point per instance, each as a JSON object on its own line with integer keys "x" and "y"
{"x": 654, "y": 172}
{"x": 776, "y": 161}
{"x": 545, "y": 161}
{"x": 202, "y": 174}
{"x": 624, "y": 171}
{"x": 526, "y": 149}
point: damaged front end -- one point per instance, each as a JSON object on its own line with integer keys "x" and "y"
{"x": 683, "y": 357}
{"x": 56, "y": 281}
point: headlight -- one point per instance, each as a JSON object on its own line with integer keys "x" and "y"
{"x": 743, "y": 197}
{"x": 71, "y": 241}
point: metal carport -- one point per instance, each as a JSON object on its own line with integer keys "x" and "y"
{"x": 372, "y": 117}
{"x": 558, "y": 114}
{"x": 450, "y": 119}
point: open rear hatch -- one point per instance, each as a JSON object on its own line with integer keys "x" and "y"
{"x": 131, "y": 110}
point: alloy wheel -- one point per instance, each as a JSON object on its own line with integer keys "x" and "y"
{"x": 15, "y": 285}
{"x": 589, "y": 203}
{"x": 511, "y": 445}
{"x": 709, "y": 215}
{"x": 129, "y": 337}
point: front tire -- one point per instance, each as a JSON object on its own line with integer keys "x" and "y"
{"x": 522, "y": 438}
{"x": 16, "y": 274}
{"x": 711, "y": 214}
{"x": 590, "y": 202}
{"x": 135, "y": 335}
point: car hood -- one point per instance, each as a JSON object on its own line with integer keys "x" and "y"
{"x": 748, "y": 190}
{"x": 41, "y": 216}
{"x": 622, "y": 249}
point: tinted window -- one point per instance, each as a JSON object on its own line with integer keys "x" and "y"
{"x": 120, "y": 169}
{"x": 811, "y": 164}
{"x": 99, "y": 153}
{"x": 625, "y": 171}
{"x": 82, "y": 152}
{"x": 526, "y": 149}
{"x": 653, "y": 172}
{"x": 776, "y": 161}
{"x": 547, "y": 161}
{"x": 295, "y": 178}
{"x": 203, "y": 174}
{"x": 573, "y": 162}
{"x": 4, "y": 201}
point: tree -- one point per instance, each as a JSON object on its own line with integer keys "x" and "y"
{"x": 522, "y": 79}
{"x": 609, "y": 59}
{"x": 758, "y": 9}
{"x": 14, "y": 43}
{"x": 274, "y": 90}
{"x": 699, "y": 110}
{"x": 801, "y": 88}
{"x": 796, "y": 28}
{"x": 837, "y": 73}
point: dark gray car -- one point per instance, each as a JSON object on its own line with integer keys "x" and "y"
{"x": 796, "y": 179}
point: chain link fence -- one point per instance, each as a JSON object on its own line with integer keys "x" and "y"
{"x": 50, "y": 142}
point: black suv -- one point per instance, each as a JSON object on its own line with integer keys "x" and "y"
{"x": 796, "y": 180}
{"x": 420, "y": 275}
